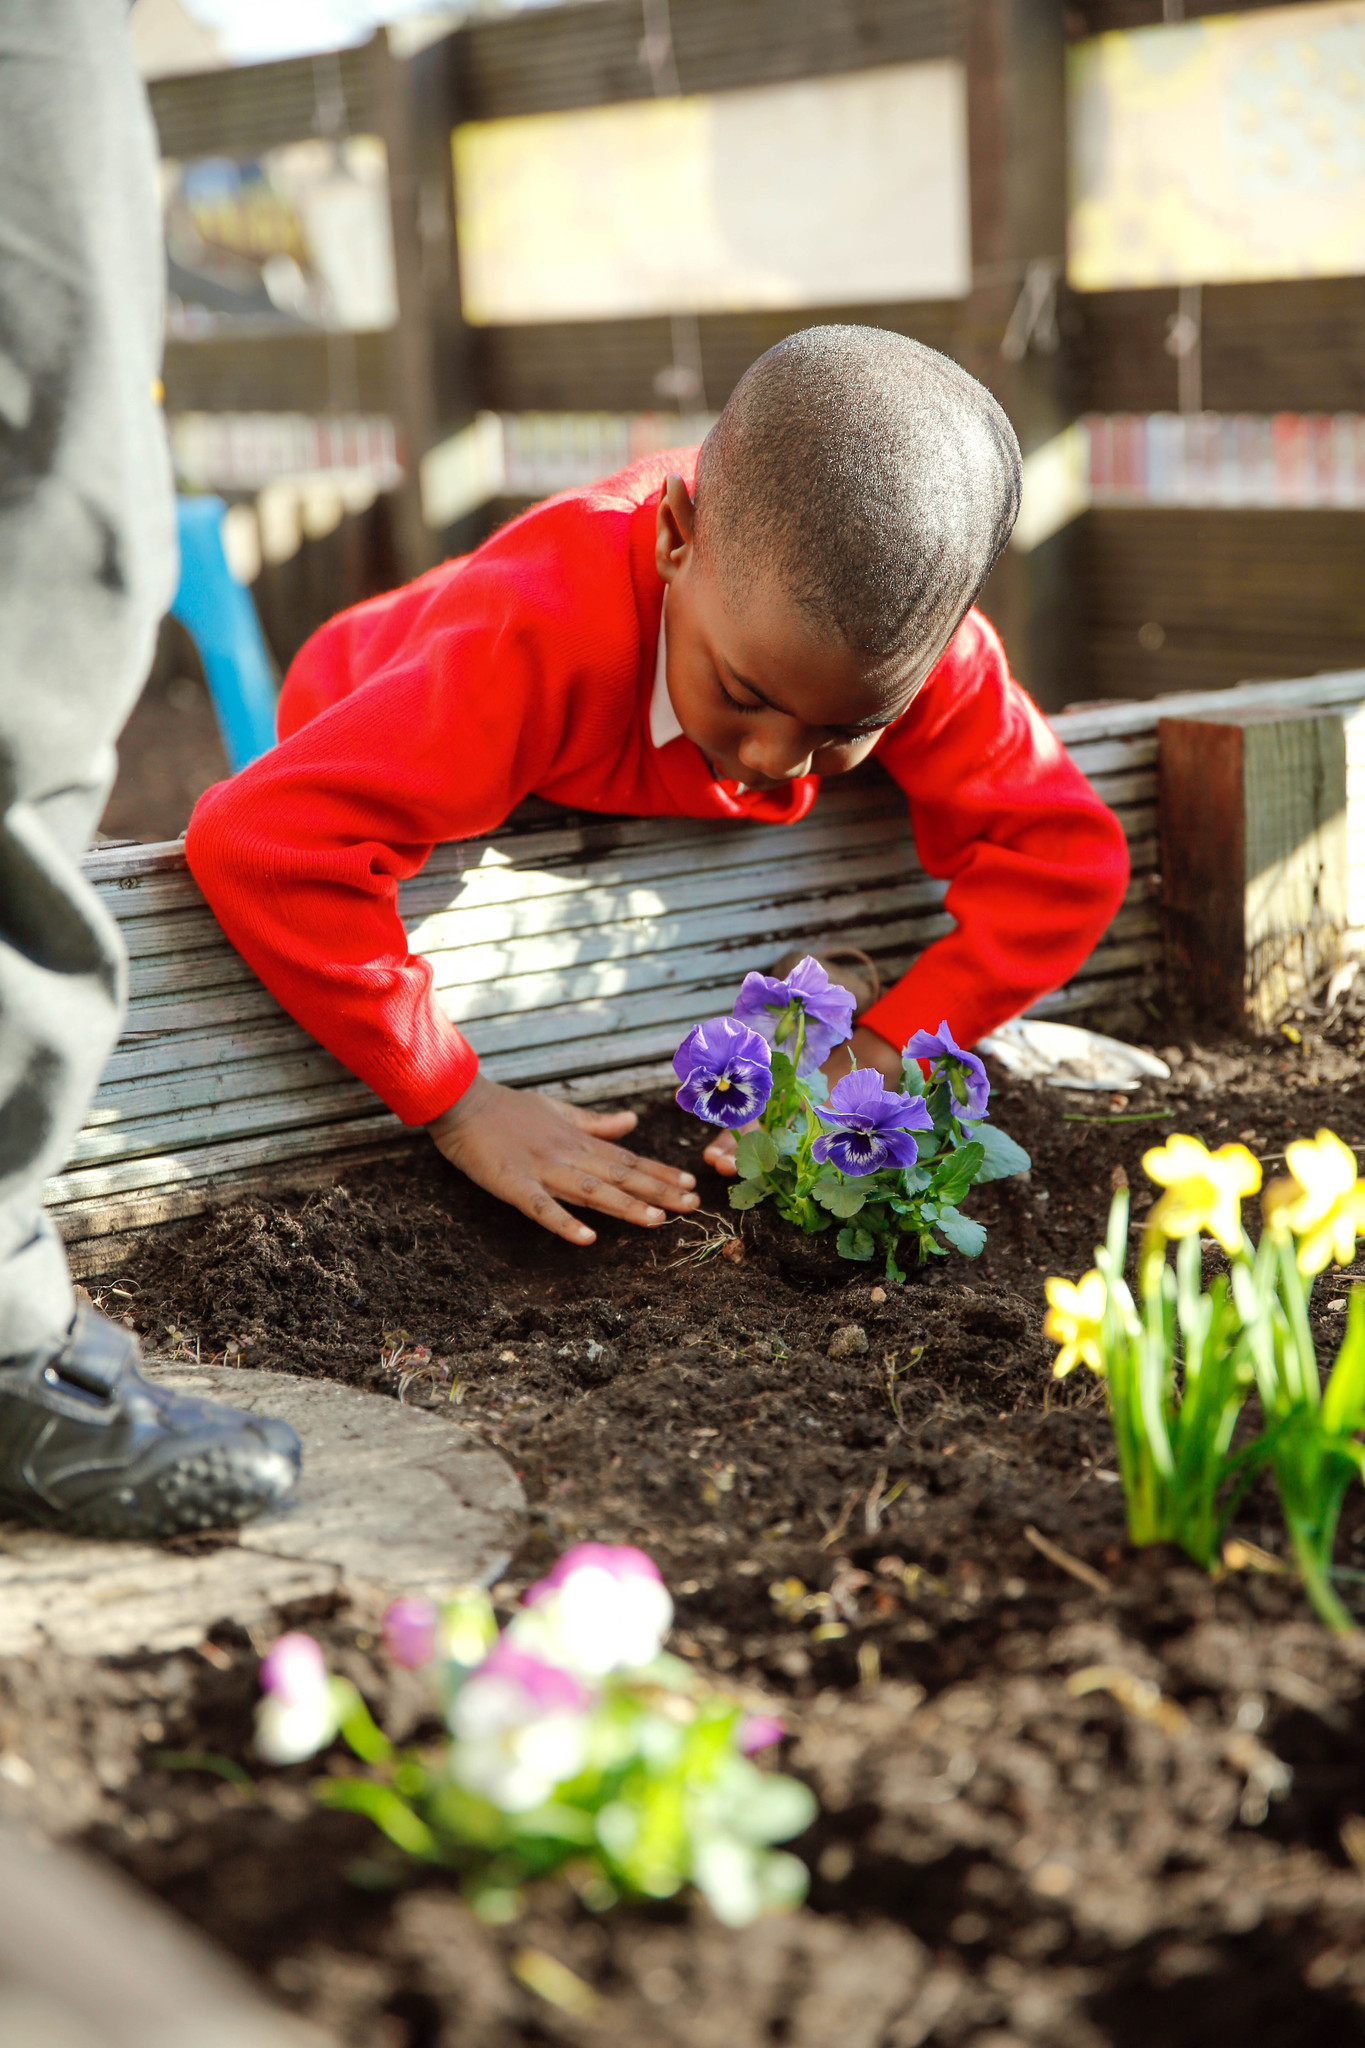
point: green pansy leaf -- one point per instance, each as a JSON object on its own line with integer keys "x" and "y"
{"x": 786, "y": 1141}
{"x": 957, "y": 1171}
{"x": 747, "y": 1195}
{"x": 915, "y": 1180}
{"x": 927, "y": 1143}
{"x": 962, "y": 1233}
{"x": 816, "y": 1086}
{"x": 755, "y": 1153}
{"x": 912, "y": 1078}
{"x": 838, "y": 1197}
{"x": 1003, "y": 1156}
{"x": 855, "y": 1244}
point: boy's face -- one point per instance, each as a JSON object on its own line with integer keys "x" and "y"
{"x": 755, "y": 687}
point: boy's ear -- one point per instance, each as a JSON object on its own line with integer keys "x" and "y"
{"x": 674, "y": 528}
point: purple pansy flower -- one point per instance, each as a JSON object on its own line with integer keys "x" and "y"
{"x": 726, "y": 1072}
{"x": 773, "y": 1006}
{"x": 870, "y": 1126}
{"x": 963, "y": 1070}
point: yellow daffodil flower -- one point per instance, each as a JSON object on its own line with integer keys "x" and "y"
{"x": 1204, "y": 1190}
{"x": 1073, "y": 1320}
{"x": 1323, "y": 1202}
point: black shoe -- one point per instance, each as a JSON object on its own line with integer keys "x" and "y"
{"x": 88, "y": 1445}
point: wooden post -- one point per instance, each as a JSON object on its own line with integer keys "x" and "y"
{"x": 1253, "y": 859}
{"x": 1012, "y": 332}
{"x": 427, "y": 353}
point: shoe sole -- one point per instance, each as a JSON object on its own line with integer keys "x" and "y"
{"x": 220, "y": 1487}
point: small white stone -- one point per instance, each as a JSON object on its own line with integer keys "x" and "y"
{"x": 850, "y": 1342}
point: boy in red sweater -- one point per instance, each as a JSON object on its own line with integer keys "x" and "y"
{"x": 704, "y": 635}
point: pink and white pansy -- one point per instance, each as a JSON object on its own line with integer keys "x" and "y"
{"x": 297, "y": 1713}
{"x": 603, "y": 1608}
{"x": 522, "y": 1726}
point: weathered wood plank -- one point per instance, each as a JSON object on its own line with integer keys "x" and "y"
{"x": 1254, "y": 858}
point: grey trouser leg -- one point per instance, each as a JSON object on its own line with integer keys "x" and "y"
{"x": 87, "y": 564}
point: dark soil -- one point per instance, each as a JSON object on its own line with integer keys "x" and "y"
{"x": 840, "y": 1490}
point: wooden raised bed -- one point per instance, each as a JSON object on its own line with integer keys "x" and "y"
{"x": 575, "y": 951}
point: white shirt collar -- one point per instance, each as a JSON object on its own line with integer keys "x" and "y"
{"x": 663, "y": 719}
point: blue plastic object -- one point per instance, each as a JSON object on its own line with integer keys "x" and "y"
{"x": 220, "y": 618}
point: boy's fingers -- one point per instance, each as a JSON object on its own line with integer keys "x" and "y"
{"x": 644, "y": 1177}
{"x": 720, "y": 1153}
{"x": 618, "y": 1162}
{"x": 534, "y": 1201}
{"x": 592, "y": 1192}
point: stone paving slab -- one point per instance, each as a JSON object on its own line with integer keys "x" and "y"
{"x": 392, "y": 1500}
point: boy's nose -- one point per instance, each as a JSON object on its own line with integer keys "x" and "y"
{"x": 777, "y": 757}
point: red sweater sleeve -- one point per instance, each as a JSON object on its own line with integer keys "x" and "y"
{"x": 1036, "y": 865}
{"x": 411, "y": 738}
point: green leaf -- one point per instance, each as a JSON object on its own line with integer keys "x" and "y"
{"x": 855, "y": 1244}
{"x": 765, "y": 1806}
{"x": 915, "y": 1180}
{"x": 927, "y": 1143}
{"x": 1343, "y": 1404}
{"x": 962, "y": 1233}
{"x": 838, "y": 1197}
{"x": 1003, "y": 1156}
{"x": 747, "y": 1194}
{"x": 957, "y": 1171}
{"x": 379, "y": 1803}
{"x": 755, "y": 1153}
{"x": 816, "y": 1087}
{"x": 912, "y": 1078}
{"x": 370, "y": 1744}
{"x": 786, "y": 1141}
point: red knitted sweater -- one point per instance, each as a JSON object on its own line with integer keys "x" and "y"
{"x": 527, "y": 668}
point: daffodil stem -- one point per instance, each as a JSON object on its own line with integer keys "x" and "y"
{"x": 1316, "y": 1583}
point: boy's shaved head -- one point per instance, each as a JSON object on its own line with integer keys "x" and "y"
{"x": 873, "y": 477}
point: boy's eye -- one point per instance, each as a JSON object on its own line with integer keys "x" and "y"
{"x": 734, "y": 702}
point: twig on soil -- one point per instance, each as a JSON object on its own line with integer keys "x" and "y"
{"x": 1127, "y": 1116}
{"x": 1139, "y": 1695}
{"x": 555, "y": 1982}
{"x": 893, "y": 1374}
{"x": 833, "y": 1533}
{"x": 1241, "y": 1556}
{"x": 1065, "y": 1562}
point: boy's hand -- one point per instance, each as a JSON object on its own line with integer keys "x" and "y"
{"x": 868, "y": 1049}
{"x": 528, "y": 1150}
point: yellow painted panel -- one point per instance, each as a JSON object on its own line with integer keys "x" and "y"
{"x": 1220, "y": 150}
{"x": 825, "y": 192}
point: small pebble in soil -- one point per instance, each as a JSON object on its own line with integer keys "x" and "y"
{"x": 878, "y": 1295}
{"x": 850, "y": 1342}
